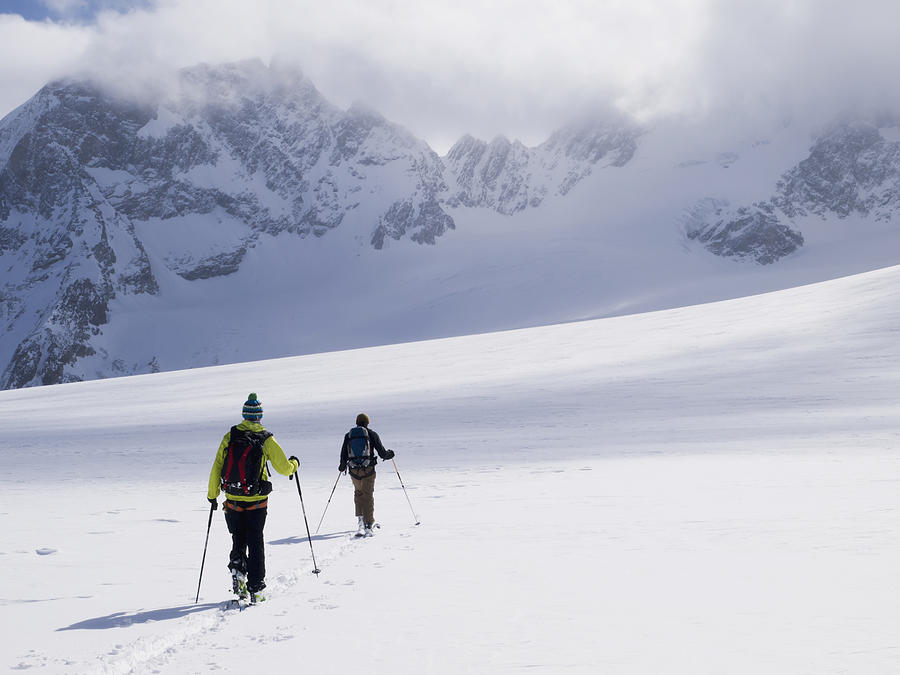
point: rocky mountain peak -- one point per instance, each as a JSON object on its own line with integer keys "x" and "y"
{"x": 593, "y": 141}
{"x": 509, "y": 177}
{"x": 87, "y": 177}
{"x": 851, "y": 168}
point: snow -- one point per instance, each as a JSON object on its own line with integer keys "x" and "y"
{"x": 109, "y": 178}
{"x": 186, "y": 240}
{"x": 160, "y": 125}
{"x": 890, "y": 134}
{"x": 230, "y": 177}
{"x": 698, "y": 490}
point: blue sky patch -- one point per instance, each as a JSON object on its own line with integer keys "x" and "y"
{"x": 79, "y": 11}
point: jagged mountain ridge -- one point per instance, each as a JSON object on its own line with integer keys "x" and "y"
{"x": 508, "y": 177}
{"x": 852, "y": 168}
{"x": 103, "y": 200}
{"x": 255, "y": 147}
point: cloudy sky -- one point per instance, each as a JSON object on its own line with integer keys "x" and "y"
{"x": 518, "y": 67}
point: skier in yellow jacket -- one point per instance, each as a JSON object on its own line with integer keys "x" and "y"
{"x": 240, "y": 470}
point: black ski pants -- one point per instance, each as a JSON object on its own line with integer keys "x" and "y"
{"x": 248, "y": 553}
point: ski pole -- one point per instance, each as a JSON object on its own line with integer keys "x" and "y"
{"x": 316, "y": 569}
{"x": 212, "y": 507}
{"x": 405, "y": 492}
{"x": 329, "y": 502}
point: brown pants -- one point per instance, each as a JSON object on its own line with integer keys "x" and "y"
{"x": 364, "y": 497}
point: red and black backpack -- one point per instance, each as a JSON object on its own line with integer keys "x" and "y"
{"x": 243, "y": 467}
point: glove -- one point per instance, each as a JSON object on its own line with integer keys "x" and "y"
{"x": 293, "y": 458}
{"x": 389, "y": 454}
{"x": 342, "y": 468}
{"x": 213, "y": 502}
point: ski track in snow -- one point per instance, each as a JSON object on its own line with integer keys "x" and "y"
{"x": 155, "y": 655}
{"x": 152, "y": 655}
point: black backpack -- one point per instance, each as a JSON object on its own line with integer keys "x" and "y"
{"x": 243, "y": 467}
{"x": 359, "y": 454}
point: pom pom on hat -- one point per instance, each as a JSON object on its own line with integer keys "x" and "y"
{"x": 252, "y": 411}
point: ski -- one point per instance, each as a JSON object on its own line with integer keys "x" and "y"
{"x": 365, "y": 532}
{"x": 244, "y": 597}
{"x": 242, "y": 603}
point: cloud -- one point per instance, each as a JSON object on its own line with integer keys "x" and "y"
{"x": 448, "y": 67}
{"x": 802, "y": 57}
{"x": 34, "y": 52}
{"x": 65, "y": 6}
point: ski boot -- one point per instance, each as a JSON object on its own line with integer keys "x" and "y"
{"x": 239, "y": 585}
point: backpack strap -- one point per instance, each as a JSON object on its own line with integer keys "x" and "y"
{"x": 229, "y": 455}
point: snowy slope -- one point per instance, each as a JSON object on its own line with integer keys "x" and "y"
{"x": 700, "y": 490}
{"x": 132, "y": 231}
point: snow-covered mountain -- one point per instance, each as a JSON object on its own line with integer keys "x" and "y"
{"x": 237, "y": 152}
{"x": 240, "y": 215}
{"x": 851, "y": 169}
{"x": 508, "y": 177}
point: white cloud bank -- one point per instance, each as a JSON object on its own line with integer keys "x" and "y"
{"x": 446, "y": 67}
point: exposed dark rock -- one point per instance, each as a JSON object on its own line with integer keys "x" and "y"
{"x": 55, "y": 249}
{"x": 104, "y": 252}
{"x": 216, "y": 266}
{"x": 11, "y": 239}
{"x": 23, "y": 367}
{"x": 422, "y": 222}
{"x": 851, "y": 169}
{"x": 747, "y": 233}
{"x": 82, "y": 304}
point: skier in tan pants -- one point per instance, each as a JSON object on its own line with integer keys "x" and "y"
{"x": 358, "y": 455}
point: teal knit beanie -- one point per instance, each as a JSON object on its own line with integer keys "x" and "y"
{"x": 253, "y": 411}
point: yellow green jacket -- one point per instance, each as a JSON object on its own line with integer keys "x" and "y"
{"x": 272, "y": 452}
